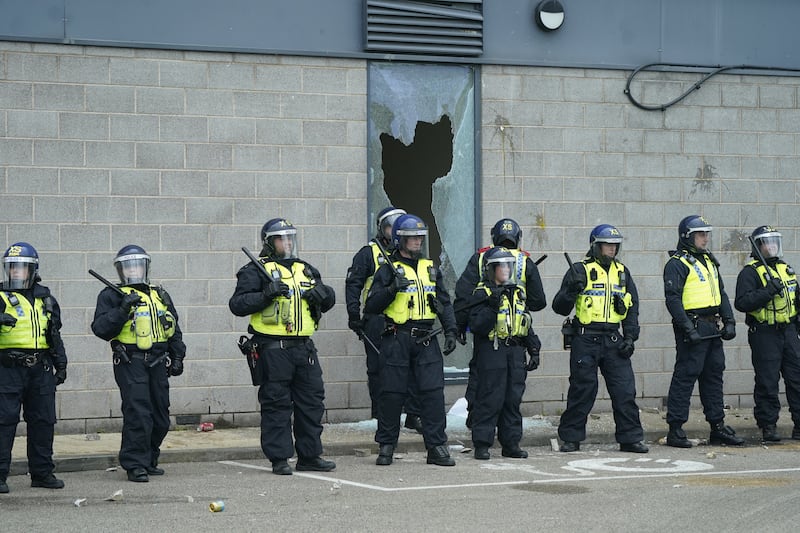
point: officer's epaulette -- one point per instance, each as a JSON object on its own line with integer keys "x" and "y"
{"x": 525, "y": 253}
{"x": 484, "y": 249}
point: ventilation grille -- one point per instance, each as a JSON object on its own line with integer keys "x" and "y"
{"x": 441, "y": 28}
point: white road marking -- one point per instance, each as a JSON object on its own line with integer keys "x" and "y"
{"x": 663, "y": 474}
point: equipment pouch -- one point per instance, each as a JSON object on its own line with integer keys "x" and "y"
{"x": 568, "y": 331}
{"x": 119, "y": 353}
{"x": 271, "y": 313}
{"x": 249, "y": 349}
{"x": 142, "y": 328}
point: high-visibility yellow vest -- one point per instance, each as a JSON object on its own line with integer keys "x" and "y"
{"x": 595, "y": 303}
{"x": 161, "y": 320}
{"x": 513, "y": 319}
{"x": 287, "y": 315}
{"x": 30, "y": 331}
{"x": 412, "y": 302}
{"x": 701, "y": 289}
{"x": 783, "y": 307}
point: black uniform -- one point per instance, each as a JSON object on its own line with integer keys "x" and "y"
{"x": 469, "y": 279}
{"x": 405, "y": 363}
{"x": 27, "y": 381}
{"x": 597, "y": 345}
{"x": 142, "y": 378}
{"x": 774, "y": 344}
{"x": 288, "y": 369}
{"x": 360, "y": 271}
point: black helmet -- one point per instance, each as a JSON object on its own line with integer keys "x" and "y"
{"x": 279, "y": 229}
{"x": 604, "y": 233}
{"x": 410, "y": 226}
{"x": 689, "y": 225}
{"x": 133, "y": 265}
{"x": 498, "y": 266}
{"x": 506, "y": 232}
{"x": 21, "y": 266}
{"x": 385, "y": 219}
{"x": 769, "y": 242}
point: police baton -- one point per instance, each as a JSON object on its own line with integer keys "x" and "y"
{"x": 539, "y": 261}
{"x": 256, "y": 262}
{"x": 460, "y": 308}
{"x": 362, "y": 335}
{"x": 107, "y": 283}
{"x": 386, "y": 257}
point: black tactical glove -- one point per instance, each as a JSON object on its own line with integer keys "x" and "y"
{"x": 175, "y": 366}
{"x": 435, "y": 304}
{"x": 574, "y": 283}
{"x": 61, "y": 375}
{"x": 619, "y": 305}
{"x": 399, "y": 283}
{"x": 314, "y": 296}
{"x": 129, "y": 300}
{"x": 626, "y": 347}
{"x": 729, "y": 331}
{"x": 461, "y": 335}
{"x": 495, "y": 298}
{"x": 357, "y": 325}
{"x": 274, "y": 289}
{"x": 693, "y": 336}
{"x": 449, "y": 343}
{"x": 7, "y": 320}
{"x": 533, "y": 349}
{"x": 774, "y": 286}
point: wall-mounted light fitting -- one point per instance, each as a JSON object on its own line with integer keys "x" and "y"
{"x": 549, "y": 15}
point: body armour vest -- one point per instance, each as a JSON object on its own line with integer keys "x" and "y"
{"x": 701, "y": 289}
{"x": 783, "y": 307}
{"x": 596, "y": 302}
{"x": 513, "y": 319}
{"x": 377, "y": 261}
{"x": 30, "y": 331}
{"x": 412, "y": 302}
{"x": 151, "y": 319}
{"x": 287, "y": 316}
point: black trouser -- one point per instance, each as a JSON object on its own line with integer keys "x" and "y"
{"x": 292, "y": 385}
{"x": 407, "y": 365}
{"x": 775, "y": 351}
{"x": 33, "y": 389}
{"x": 703, "y": 363}
{"x": 590, "y": 352}
{"x": 145, "y": 411}
{"x": 500, "y": 386}
{"x": 373, "y": 328}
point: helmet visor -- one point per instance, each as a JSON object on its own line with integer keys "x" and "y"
{"x": 501, "y": 271}
{"x": 133, "y": 269}
{"x": 700, "y": 238}
{"x": 770, "y": 245}
{"x": 284, "y": 245}
{"x": 414, "y": 243}
{"x": 19, "y": 273}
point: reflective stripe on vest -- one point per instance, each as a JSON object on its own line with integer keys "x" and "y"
{"x": 509, "y": 323}
{"x": 701, "y": 289}
{"x": 596, "y": 302}
{"x": 377, "y": 261}
{"x": 412, "y": 302}
{"x": 287, "y": 316}
{"x": 779, "y": 310}
{"x": 157, "y": 309}
{"x": 31, "y": 327}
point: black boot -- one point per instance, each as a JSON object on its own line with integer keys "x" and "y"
{"x": 47, "y": 482}
{"x": 314, "y": 464}
{"x": 414, "y": 422}
{"x": 281, "y": 467}
{"x": 138, "y": 475}
{"x": 3, "y": 486}
{"x": 568, "y": 447}
{"x": 438, "y": 455}
{"x": 515, "y": 452}
{"x": 722, "y": 435}
{"x": 385, "y": 455}
{"x": 482, "y": 453}
{"x": 769, "y": 433}
{"x": 155, "y": 471}
{"x": 676, "y": 437}
{"x": 633, "y": 447}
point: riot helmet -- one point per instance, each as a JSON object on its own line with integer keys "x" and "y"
{"x": 386, "y": 218}
{"x": 21, "y": 266}
{"x": 506, "y": 232}
{"x": 410, "y": 236}
{"x": 133, "y": 265}
{"x": 769, "y": 242}
{"x": 604, "y": 234}
{"x": 280, "y": 239}
{"x": 498, "y": 267}
{"x": 687, "y": 229}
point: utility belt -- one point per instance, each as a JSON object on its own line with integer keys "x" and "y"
{"x": 419, "y": 330}
{"x": 771, "y": 327}
{"x": 705, "y": 318}
{"x": 509, "y": 341}
{"x": 571, "y": 328}
{"x": 272, "y": 343}
{"x": 145, "y": 356}
{"x": 22, "y": 358}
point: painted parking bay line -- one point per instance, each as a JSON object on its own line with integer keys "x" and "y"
{"x": 340, "y": 481}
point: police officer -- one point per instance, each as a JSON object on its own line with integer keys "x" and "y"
{"x": 767, "y": 293}
{"x": 369, "y": 328}
{"x": 501, "y": 325}
{"x": 701, "y": 315}
{"x": 604, "y": 295}
{"x": 285, "y": 298}
{"x": 410, "y": 294}
{"x": 507, "y": 233}
{"x": 141, "y": 323}
{"x": 32, "y": 364}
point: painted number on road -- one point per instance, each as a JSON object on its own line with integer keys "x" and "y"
{"x": 620, "y": 464}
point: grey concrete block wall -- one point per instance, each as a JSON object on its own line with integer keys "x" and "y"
{"x": 188, "y": 153}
